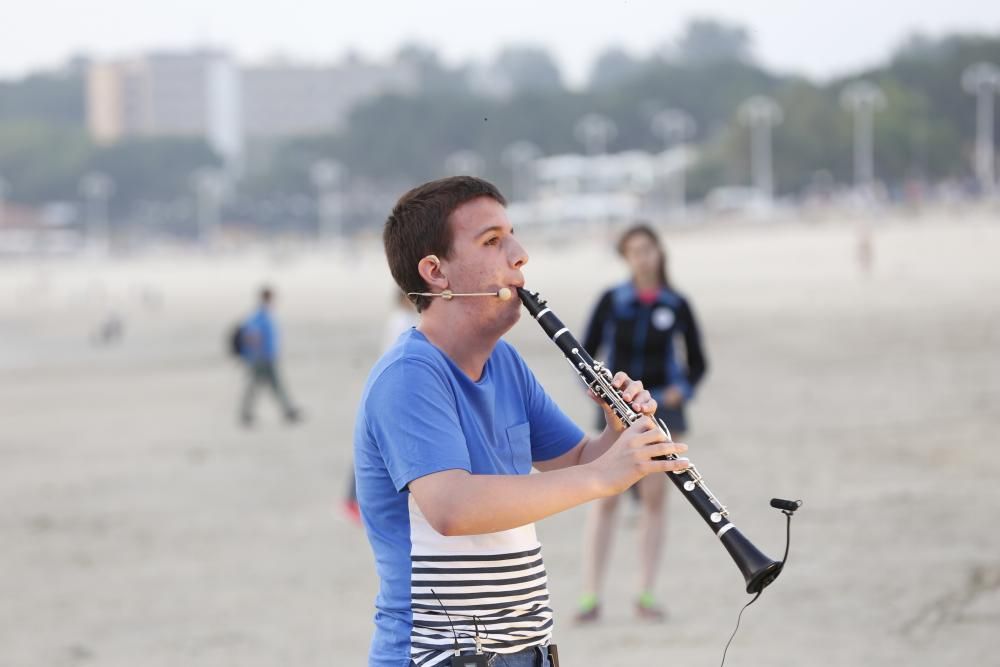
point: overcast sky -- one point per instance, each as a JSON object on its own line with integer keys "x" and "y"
{"x": 820, "y": 40}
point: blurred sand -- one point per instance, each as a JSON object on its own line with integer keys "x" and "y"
{"x": 139, "y": 525}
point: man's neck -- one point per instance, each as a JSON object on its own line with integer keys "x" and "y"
{"x": 468, "y": 349}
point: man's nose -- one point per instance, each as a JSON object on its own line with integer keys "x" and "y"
{"x": 518, "y": 255}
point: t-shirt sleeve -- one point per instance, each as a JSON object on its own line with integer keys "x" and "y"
{"x": 413, "y": 418}
{"x": 552, "y": 432}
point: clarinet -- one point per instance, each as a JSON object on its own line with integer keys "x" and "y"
{"x": 758, "y": 569}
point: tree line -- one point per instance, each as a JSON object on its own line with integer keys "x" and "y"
{"x": 925, "y": 133}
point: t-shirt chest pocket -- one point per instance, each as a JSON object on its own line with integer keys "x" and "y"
{"x": 519, "y": 439}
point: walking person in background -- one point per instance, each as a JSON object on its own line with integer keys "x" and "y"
{"x": 259, "y": 347}
{"x": 639, "y": 324}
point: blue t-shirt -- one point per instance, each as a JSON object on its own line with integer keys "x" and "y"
{"x": 421, "y": 414}
{"x": 262, "y": 336}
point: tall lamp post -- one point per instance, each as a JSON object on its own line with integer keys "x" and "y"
{"x": 4, "y": 187}
{"x": 327, "y": 176}
{"x": 595, "y": 131}
{"x": 96, "y": 188}
{"x": 209, "y": 185}
{"x": 760, "y": 113}
{"x": 983, "y": 81}
{"x": 863, "y": 99}
{"x": 675, "y": 127}
{"x": 466, "y": 162}
{"x": 519, "y": 157}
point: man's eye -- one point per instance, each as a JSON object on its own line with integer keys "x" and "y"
{"x": 493, "y": 240}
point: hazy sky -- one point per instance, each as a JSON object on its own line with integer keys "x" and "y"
{"x": 811, "y": 37}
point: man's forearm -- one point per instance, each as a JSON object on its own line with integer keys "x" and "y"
{"x": 475, "y": 504}
{"x": 595, "y": 446}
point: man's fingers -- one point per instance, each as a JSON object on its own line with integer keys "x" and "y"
{"x": 660, "y": 465}
{"x": 634, "y": 393}
{"x": 643, "y": 425}
{"x": 633, "y": 390}
{"x": 644, "y": 403}
{"x": 644, "y": 436}
{"x": 655, "y": 449}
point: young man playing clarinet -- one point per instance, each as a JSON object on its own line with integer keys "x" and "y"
{"x": 451, "y": 422}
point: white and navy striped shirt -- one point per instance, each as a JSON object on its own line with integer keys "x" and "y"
{"x": 492, "y": 585}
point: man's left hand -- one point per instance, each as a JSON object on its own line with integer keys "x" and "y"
{"x": 638, "y": 398}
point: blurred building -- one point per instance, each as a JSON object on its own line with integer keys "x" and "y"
{"x": 38, "y": 230}
{"x": 633, "y": 172}
{"x": 188, "y": 94}
{"x": 206, "y": 94}
{"x": 607, "y": 188}
{"x": 287, "y": 99}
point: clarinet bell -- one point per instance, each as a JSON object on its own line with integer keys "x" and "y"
{"x": 758, "y": 569}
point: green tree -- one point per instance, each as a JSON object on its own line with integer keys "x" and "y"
{"x": 710, "y": 41}
{"x": 614, "y": 67}
{"x": 152, "y": 168}
{"x": 42, "y": 162}
{"x": 528, "y": 68}
{"x": 49, "y": 97}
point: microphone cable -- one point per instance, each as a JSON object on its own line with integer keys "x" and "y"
{"x": 787, "y": 508}
{"x": 456, "y": 649}
{"x": 450, "y": 622}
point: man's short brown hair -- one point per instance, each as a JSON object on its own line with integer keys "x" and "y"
{"x": 418, "y": 226}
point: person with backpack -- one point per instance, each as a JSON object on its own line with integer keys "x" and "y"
{"x": 257, "y": 342}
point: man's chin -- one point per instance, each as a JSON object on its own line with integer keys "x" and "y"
{"x": 507, "y": 319}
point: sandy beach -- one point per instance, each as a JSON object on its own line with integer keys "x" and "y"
{"x": 141, "y": 525}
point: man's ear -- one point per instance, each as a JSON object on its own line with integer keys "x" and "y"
{"x": 430, "y": 270}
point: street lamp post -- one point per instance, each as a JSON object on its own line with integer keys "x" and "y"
{"x": 760, "y": 113}
{"x": 96, "y": 188}
{"x": 863, "y": 99}
{"x": 595, "y": 131}
{"x": 983, "y": 81}
{"x": 675, "y": 127}
{"x": 519, "y": 157}
{"x": 209, "y": 185}
{"x": 327, "y": 176}
{"x": 464, "y": 162}
{"x": 4, "y": 187}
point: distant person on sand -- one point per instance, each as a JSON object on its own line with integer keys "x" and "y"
{"x": 259, "y": 347}
{"x": 110, "y": 330}
{"x": 865, "y": 247}
{"x": 639, "y": 324}
{"x": 403, "y": 318}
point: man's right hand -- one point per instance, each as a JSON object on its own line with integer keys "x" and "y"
{"x": 630, "y": 458}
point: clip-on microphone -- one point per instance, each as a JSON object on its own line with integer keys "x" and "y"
{"x": 503, "y": 294}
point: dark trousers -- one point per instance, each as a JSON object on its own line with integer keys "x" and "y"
{"x": 264, "y": 373}
{"x": 536, "y": 656}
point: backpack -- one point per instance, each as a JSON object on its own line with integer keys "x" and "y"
{"x": 237, "y": 340}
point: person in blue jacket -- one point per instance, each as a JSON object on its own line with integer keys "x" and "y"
{"x": 639, "y": 327}
{"x": 259, "y": 348}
